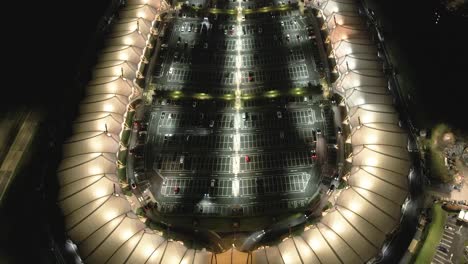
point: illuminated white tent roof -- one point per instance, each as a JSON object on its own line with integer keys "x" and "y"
{"x": 154, "y": 3}
{"x": 127, "y": 38}
{"x": 138, "y": 11}
{"x": 357, "y": 78}
{"x": 107, "y": 103}
{"x": 101, "y": 222}
{"x": 125, "y": 69}
{"x": 329, "y": 8}
{"x": 353, "y": 46}
{"x": 358, "y": 62}
{"x": 372, "y": 113}
{"x": 342, "y": 32}
{"x": 98, "y": 122}
{"x": 110, "y": 85}
{"x": 91, "y": 142}
{"x": 121, "y": 53}
{"x": 345, "y": 18}
{"x": 132, "y": 24}
{"x": 367, "y": 95}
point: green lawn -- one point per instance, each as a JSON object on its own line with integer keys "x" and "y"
{"x": 435, "y": 231}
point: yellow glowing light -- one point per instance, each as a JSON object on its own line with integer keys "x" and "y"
{"x": 272, "y": 93}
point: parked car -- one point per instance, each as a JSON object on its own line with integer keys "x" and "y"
{"x": 443, "y": 249}
{"x": 313, "y": 154}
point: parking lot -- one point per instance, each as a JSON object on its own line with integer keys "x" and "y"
{"x": 209, "y": 157}
{"x": 451, "y": 245}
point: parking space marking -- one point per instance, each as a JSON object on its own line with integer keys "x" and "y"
{"x": 447, "y": 241}
{"x": 439, "y": 261}
{"x": 447, "y": 235}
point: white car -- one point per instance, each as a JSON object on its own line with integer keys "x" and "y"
{"x": 171, "y": 70}
{"x": 279, "y": 114}
{"x": 212, "y": 123}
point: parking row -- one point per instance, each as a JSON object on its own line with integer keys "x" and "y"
{"x": 228, "y": 77}
{"x": 442, "y": 254}
{"x": 212, "y": 209}
{"x": 247, "y": 60}
{"x": 223, "y": 164}
{"x": 255, "y": 120}
{"x": 275, "y": 161}
{"x": 223, "y": 187}
{"x": 189, "y": 141}
{"x": 268, "y": 43}
{"x": 218, "y": 142}
{"x": 298, "y": 138}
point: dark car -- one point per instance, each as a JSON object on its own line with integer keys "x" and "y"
{"x": 443, "y": 249}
